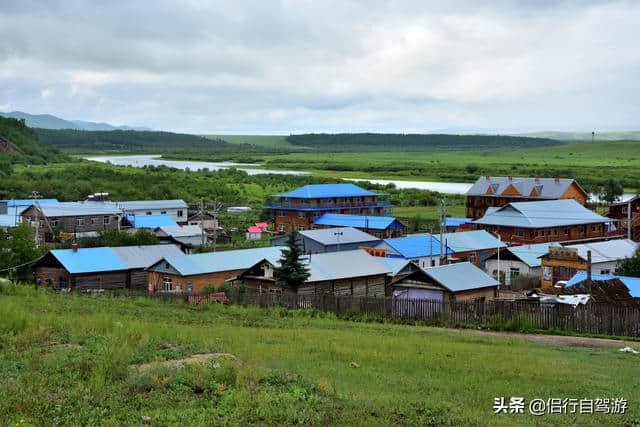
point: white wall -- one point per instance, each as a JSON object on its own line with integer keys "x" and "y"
{"x": 172, "y": 212}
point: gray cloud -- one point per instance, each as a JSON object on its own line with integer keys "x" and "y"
{"x": 295, "y": 66}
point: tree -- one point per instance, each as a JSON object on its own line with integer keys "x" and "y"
{"x": 17, "y": 246}
{"x": 416, "y": 223}
{"x": 291, "y": 272}
{"x": 611, "y": 190}
{"x": 629, "y": 266}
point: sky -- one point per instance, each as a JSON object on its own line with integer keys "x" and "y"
{"x": 294, "y": 66}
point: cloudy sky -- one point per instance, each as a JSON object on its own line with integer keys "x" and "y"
{"x": 299, "y": 65}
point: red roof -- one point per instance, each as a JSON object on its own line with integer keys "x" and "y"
{"x": 254, "y": 229}
{"x": 262, "y": 224}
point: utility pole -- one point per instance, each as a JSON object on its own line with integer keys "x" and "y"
{"x": 629, "y": 219}
{"x": 215, "y": 209}
{"x": 430, "y": 247}
{"x": 201, "y": 211}
{"x": 35, "y": 196}
{"x": 443, "y": 215}
{"x": 338, "y": 234}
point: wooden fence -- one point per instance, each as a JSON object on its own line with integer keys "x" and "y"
{"x": 605, "y": 319}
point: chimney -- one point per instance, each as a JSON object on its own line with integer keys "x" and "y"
{"x": 589, "y": 266}
{"x": 74, "y": 247}
{"x": 557, "y": 179}
{"x": 510, "y": 178}
{"x": 487, "y": 177}
{"x": 537, "y": 178}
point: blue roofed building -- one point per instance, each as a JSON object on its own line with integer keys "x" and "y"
{"x": 422, "y": 249}
{"x": 297, "y": 209}
{"x": 151, "y": 222}
{"x": 516, "y": 262}
{"x": 378, "y": 226}
{"x": 100, "y": 268}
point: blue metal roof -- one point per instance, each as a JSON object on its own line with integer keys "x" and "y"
{"x": 474, "y": 240}
{"x": 396, "y": 265}
{"x": 415, "y": 246}
{"x": 359, "y": 221}
{"x": 88, "y": 260}
{"x": 551, "y": 213}
{"x": 530, "y": 254}
{"x": 327, "y": 190}
{"x": 456, "y": 222}
{"x": 460, "y": 276}
{"x": 339, "y": 235}
{"x": 28, "y": 202}
{"x": 212, "y": 262}
{"x": 151, "y": 221}
{"x": 633, "y": 283}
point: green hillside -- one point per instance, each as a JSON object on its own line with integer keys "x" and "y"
{"x": 20, "y": 144}
{"x": 267, "y": 141}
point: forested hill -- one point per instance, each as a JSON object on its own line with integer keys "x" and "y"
{"x": 412, "y": 142}
{"x": 130, "y": 141}
{"x": 20, "y": 144}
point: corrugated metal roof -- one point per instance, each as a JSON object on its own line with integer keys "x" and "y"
{"x": 632, "y": 283}
{"x": 152, "y": 204}
{"x": 12, "y": 217}
{"x": 88, "y": 260}
{"x": 396, "y": 265}
{"x": 360, "y": 221}
{"x": 547, "y": 188}
{"x": 135, "y": 257}
{"x": 342, "y": 265}
{"x": 326, "y": 190}
{"x": 551, "y": 213}
{"x": 182, "y": 231}
{"x": 151, "y": 221}
{"x": 610, "y": 250}
{"x": 530, "y": 254}
{"x": 28, "y": 202}
{"x": 416, "y": 245}
{"x": 328, "y": 236}
{"x": 79, "y": 209}
{"x": 475, "y": 240}
{"x": 212, "y": 262}
{"x": 254, "y": 229}
{"x": 461, "y": 276}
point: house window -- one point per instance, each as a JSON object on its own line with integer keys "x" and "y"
{"x": 519, "y": 232}
{"x": 514, "y": 272}
{"x": 593, "y": 227}
{"x": 433, "y": 262}
{"x": 300, "y": 214}
{"x": 583, "y": 229}
{"x": 54, "y": 222}
{"x": 281, "y": 228}
{"x": 94, "y": 220}
{"x": 106, "y": 220}
{"x": 300, "y": 227}
{"x": 148, "y": 213}
{"x": 167, "y": 284}
{"x": 163, "y": 212}
{"x": 167, "y": 265}
{"x": 180, "y": 213}
{"x": 280, "y": 213}
{"x": 79, "y": 221}
{"x": 472, "y": 257}
{"x": 566, "y": 231}
{"x": 605, "y": 271}
{"x": 555, "y": 231}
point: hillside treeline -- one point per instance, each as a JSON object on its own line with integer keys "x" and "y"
{"x": 130, "y": 141}
{"x": 412, "y": 142}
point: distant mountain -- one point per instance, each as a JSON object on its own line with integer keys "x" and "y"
{"x": 47, "y": 121}
{"x": 586, "y": 136}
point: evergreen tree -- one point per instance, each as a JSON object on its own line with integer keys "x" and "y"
{"x": 291, "y": 272}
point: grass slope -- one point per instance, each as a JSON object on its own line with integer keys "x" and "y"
{"x": 29, "y": 149}
{"x": 67, "y": 359}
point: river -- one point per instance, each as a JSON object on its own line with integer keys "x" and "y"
{"x": 155, "y": 160}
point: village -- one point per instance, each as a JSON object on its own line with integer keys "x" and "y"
{"x": 523, "y": 239}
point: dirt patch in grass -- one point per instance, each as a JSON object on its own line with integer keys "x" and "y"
{"x": 194, "y": 358}
{"x": 572, "y": 341}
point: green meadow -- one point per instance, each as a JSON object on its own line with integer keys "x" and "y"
{"x": 78, "y": 360}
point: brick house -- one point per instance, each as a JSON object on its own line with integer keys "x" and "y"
{"x": 297, "y": 209}
{"x": 549, "y": 221}
{"x": 497, "y": 191}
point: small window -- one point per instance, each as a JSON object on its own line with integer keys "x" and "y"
{"x": 163, "y": 212}
{"x": 514, "y": 272}
{"x": 583, "y": 229}
{"x": 519, "y": 232}
{"x": 300, "y": 227}
{"x": 280, "y": 213}
{"x": 106, "y": 220}
{"x": 167, "y": 284}
{"x": 148, "y": 213}
{"x": 605, "y": 271}
{"x": 79, "y": 221}
{"x": 566, "y": 231}
{"x": 94, "y": 220}
{"x": 180, "y": 213}
{"x": 472, "y": 257}
{"x": 281, "y": 228}
{"x": 167, "y": 265}
{"x": 555, "y": 231}
{"x": 300, "y": 214}
{"x": 54, "y": 222}
{"x": 433, "y": 262}
{"x": 593, "y": 227}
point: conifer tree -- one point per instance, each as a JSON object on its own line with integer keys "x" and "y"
{"x": 292, "y": 271}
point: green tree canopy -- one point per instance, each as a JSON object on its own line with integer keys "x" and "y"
{"x": 629, "y": 266}
{"x": 611, "y": 190}
{"x": 291, "y": 272}
{"x": 17, "y": 246}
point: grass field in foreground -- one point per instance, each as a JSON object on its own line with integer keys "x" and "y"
{"x": 71, "y": 360}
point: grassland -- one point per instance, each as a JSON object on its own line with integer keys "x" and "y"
{"x": 72, "y": 360}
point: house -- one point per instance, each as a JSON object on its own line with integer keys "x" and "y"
{"x": 563, "y": 263}
{"x": 330, "y": 240}
{"x": 254, "y": 233}
{"x": 193, "y": 273}
{"x": 379, "y": 226}
{"x": 349, "y": 273}
{"x": 205, "y": 220}
{"x": 548, "y": 221}
{"x": 450, "y": 282}
{"x": 518, "y": 261}
{"x": 626, "y": 211}
{"x": 149, "y": 222}
{"x": 452, "y": 224}
{"x": 474, "y": 246}
{"x": 632, "y": 283}
{"x": 187, "y": 236}
{"x": 100, "y": 268}
{"x": 11, "y": 216}
{"x": 498, "y": 191}
{"x": 177, "y": 209}
{"x": 297, "y": 209}
{"x": 422, "y": 249}
{"x": 72, "y": 219}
